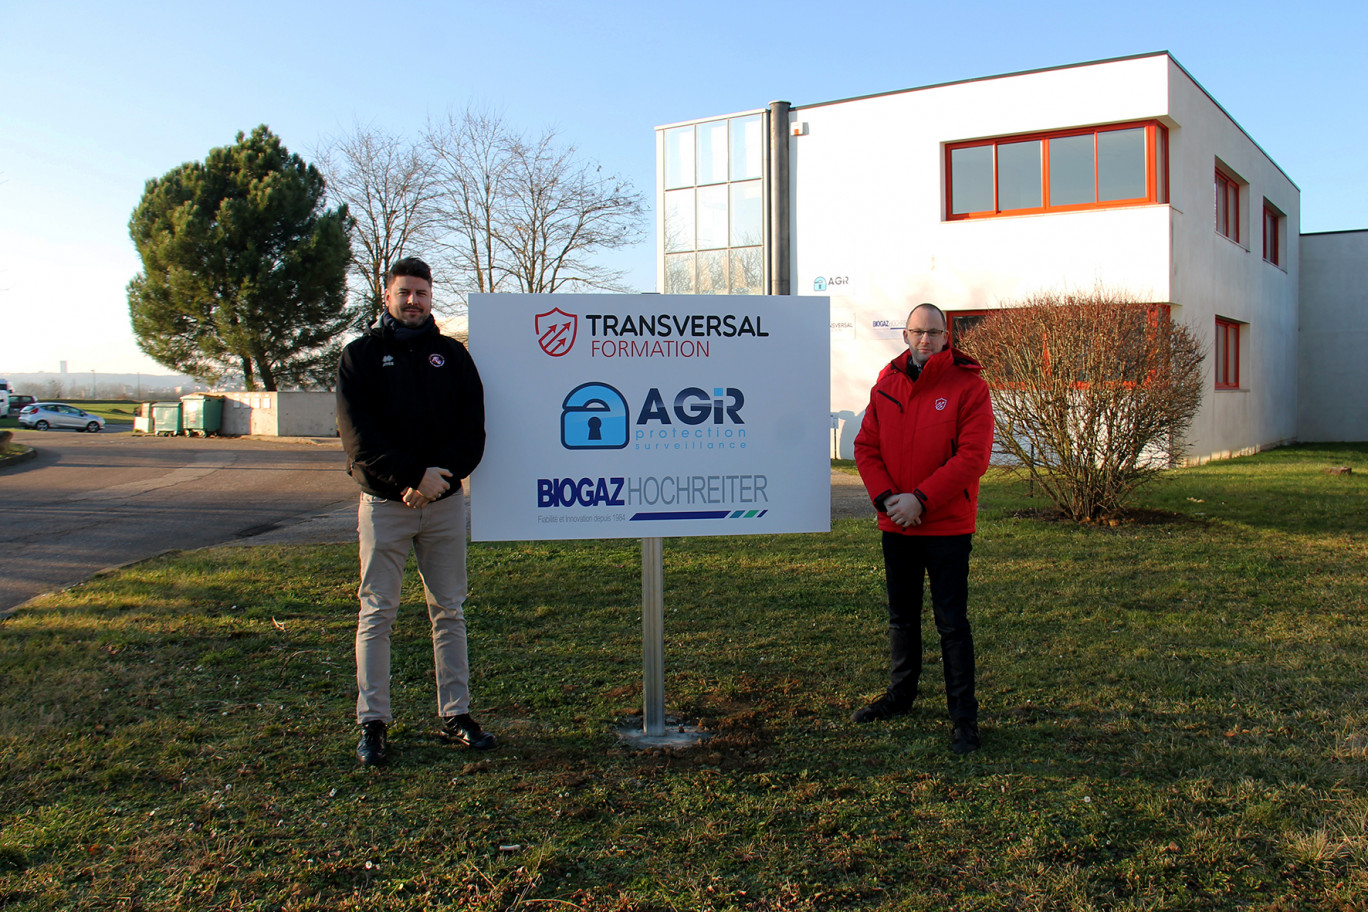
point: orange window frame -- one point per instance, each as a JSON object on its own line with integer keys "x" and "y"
{"x": 954, "y": 315}
{"x": 1227, "y": 206}
{"x": 1226, "y": 358}
{"x": 1156, "y": 171}
{"x": 1272, "y": 227}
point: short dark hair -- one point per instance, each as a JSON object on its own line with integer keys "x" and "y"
{"x": 408, "y": 266}
{"x": 944, "y": 321}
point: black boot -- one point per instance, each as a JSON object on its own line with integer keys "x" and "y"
{"x": 957, "y": 657}
{"x": 904, "y": 646}
{"x": 905, "y": 651}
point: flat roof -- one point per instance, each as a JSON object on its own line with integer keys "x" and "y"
{"x": 1049, "y": 69}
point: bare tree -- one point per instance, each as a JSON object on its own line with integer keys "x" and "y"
{"x": 528, "y": 216}
{"x": 472, "y": 154}
{"x": 562, "y": 209}
{"x": 1093, "y": 393}
{"x": 388, "y": 185}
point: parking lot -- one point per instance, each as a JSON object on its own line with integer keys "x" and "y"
{"x": 91, "y": 501}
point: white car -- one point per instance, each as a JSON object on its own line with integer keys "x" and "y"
{"x": 43, "y": 415}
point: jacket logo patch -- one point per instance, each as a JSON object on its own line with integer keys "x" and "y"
{"x": 941, "y": 404}
{"x": 436, "y": 360}
{"x": 387, "y": 361}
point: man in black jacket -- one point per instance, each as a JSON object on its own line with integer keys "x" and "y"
{"x": 410, "y": 411}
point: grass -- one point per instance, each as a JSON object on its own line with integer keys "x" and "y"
{"x": 1175, "y": 717}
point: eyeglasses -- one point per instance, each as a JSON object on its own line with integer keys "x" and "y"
{"x": 928, "y": 333}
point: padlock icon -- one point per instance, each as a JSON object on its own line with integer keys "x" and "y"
{"x": 594, "y": 417}
{"x": 819, "y": 284}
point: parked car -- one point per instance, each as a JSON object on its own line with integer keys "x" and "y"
{"x": 43, "y": 415}
{"x": 18, "y": 403}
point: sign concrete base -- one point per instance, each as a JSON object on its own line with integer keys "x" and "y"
{"x": 674, "y": 736}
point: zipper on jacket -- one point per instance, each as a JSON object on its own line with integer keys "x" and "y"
{"x": 892, "y": 400}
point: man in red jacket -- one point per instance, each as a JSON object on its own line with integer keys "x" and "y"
{"x": 923, "y": 445}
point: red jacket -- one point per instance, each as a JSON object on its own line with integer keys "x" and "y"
{"x": 931, "y": 437}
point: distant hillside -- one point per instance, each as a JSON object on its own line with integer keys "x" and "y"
{"x": 50, "y": 385}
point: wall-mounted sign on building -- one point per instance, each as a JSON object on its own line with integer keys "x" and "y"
{"x": 641, "y": 416}
{"x": 842, "y": 324}
{"x": 883, "y": 325}
{"x": 836, "y": 284}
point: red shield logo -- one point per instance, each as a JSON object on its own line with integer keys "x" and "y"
{"x": 556, "y": 332}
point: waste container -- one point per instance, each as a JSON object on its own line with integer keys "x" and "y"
{"x": 166, "y": 418}
{"x": 201, "y": 415}
{"x": 142, "y": 419}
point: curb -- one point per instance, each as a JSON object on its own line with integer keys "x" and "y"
{"x": 17, "y": 458}
{"x": 9, "y": 612}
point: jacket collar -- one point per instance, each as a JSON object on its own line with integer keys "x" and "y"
{"x": 391, "y": 329}
{"x": 937, "y": 363}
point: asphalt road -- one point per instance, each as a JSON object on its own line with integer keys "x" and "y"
{"x": 92, "y": 501}
{"x": 89, "y": 502}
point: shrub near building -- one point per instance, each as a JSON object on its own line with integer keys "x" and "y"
{"x": 1093, "y": 393}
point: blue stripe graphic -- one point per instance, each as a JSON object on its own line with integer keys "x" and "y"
{"x": 701, "y": 514}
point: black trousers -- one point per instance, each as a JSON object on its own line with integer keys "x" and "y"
{"x": 944, "y": 560}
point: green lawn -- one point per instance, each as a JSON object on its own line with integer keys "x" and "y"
{"x": 1175, "y": 717}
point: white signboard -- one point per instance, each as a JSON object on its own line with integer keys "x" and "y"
{"x": 645, "y": 416}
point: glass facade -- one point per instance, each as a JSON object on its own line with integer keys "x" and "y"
{"x": 713, "y": 209}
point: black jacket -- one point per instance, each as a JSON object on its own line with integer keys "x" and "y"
{"x": 403, "y": 406}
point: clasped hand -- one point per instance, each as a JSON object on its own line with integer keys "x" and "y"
{"x": 433, "y": 486}
{"x": 904, "y": 509}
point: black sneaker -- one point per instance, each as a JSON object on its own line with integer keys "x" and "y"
{"x": 886, "y": 707}
{"x": 464, "y": 730}
{"x": 374, "y": 747}
{"x": 965, "y": 740}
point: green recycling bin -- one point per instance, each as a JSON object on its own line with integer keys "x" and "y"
{"x": 166, "y": 418}
{"x": 202, "y": 415}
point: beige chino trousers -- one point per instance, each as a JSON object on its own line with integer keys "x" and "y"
{"x": 387, "y": 530}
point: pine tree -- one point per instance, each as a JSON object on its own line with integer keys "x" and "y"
{"x": 244, "y": 269}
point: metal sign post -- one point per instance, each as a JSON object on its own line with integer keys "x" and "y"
{"x": 653, "y": 635}
{"x": 652, "y": 732}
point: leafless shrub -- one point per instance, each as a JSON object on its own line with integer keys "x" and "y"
{"x": 1093, "y": 392}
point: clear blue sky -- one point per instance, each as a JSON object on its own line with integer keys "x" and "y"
{"x": 96, "y": 98}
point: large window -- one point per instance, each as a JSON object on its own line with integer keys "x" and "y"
{"x": 1227, "y": 206}
{"x": 1227, "y": 360}
{"x": 1094, "y": 168}
{"x": 961, "y": 321}
{"x": 714, "y": 214}
{"x": 1272, "y": 234}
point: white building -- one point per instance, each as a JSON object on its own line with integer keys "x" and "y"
{"x": 1333, "y": 342}
{"x": 970, "y": 195}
